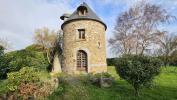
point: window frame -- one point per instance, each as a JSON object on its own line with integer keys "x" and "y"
{"x": 81, "y": 34}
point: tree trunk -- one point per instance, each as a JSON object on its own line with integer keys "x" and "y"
{"x": 136, "y": 91}
{"x": 48, "y": 58}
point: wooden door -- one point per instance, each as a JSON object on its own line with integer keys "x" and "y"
{"x": 81, "y": 60}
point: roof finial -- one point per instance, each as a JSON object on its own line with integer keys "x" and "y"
{"x": 84, "y": 1}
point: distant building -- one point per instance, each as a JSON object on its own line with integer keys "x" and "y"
{"x": 84, "y": 48}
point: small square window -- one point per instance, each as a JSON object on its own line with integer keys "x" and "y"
{"x": 81, "y": 33}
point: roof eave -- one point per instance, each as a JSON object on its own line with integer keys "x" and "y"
{"x": 67, "y": 21}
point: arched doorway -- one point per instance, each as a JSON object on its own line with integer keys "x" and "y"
{"x": 81, "y": 60}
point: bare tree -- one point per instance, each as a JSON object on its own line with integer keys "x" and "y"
{"x": 137, "y": 29}
{"x": 51, "y": 42}
{"x": 4, "y": 43}
{"x": 168, "y": 45}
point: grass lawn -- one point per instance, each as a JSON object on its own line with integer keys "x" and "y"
{"x": 164, "y": 88}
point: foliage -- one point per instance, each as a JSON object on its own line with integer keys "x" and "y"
{"x": 3, "y": 86}
{"x": 1, "y": 51}
{"x": 35, "y": 91}
{"x": 34, "y": 47}
{"x": 27, "y": 90}
{"x": 111, "y": 61}
{"x": 2, "y": 63}
{"x": 14, "y": 61}
{"x": 24, "y": 58}
{"x": 28, "y": 84}
{"x": 25, "y": 75}
{"x": 138, "y": 70}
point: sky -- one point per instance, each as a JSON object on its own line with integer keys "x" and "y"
{"x": 20, "y": 18}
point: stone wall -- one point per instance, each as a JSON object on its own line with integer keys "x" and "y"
{"x": 94, "y": 45}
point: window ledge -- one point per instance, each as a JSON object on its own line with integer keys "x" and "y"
{"x": 78, "y": 40}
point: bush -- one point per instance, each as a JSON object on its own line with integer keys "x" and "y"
{"x": 14, "y": 61}
{"x": 27, "y": 84}
{"x": 25, "y": 75}
{"x": 138, "y": 70}
{"x": 23, "y": 58}
{"x": 111, "y": 61}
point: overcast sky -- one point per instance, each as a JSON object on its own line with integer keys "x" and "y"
{"x": 19, "y": 18}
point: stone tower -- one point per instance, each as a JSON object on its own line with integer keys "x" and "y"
{"x": 84, "y": 48}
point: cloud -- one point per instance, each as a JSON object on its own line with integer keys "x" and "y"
{"x": 19, "y": 18}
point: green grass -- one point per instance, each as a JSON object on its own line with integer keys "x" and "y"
{"x": 164, "y": 88}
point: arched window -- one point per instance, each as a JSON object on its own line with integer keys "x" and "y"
{"x": 82, "y": 10}
{"x": 81, "y": 60}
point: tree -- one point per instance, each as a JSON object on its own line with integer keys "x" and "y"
{"x": 137, "y": 29}
{"x": 138, "y": 70}
{"x": 173, "y": 59}
{"x": 168, "y": 45}
{"x": 4, "y": 43}
{"x": 3, "y": 60}
{"x": 15, "y": 60}
{"x": 51, "y": 41}
{"x": 2, "y": 63}
{"x": 1, "y": 51}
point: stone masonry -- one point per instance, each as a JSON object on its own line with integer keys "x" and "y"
{"x": 93, "y": 44}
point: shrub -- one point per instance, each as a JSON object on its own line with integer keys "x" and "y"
{"x": 25, "y": 75}
{"x": 23, "y": 58}
{"x": 27, "y": 90}
{"x": 14, "y": 61}
{"x": 111, "y": 61}
{"x": 27, "y": 84}
{"x": 138, "y": 69}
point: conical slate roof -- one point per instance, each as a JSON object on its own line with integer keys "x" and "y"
{"x": 89, "y": 15}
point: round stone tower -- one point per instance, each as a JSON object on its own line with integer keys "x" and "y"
{"x": 84, "y": 48}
